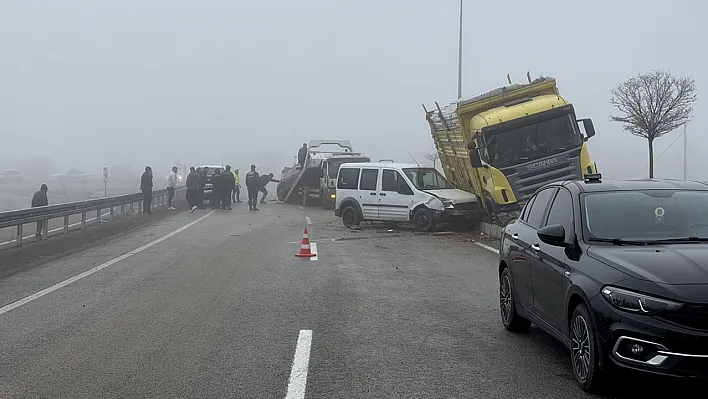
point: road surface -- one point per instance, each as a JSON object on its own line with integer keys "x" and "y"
{"x": 215, "y": 305}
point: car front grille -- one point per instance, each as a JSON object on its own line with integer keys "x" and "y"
{"x": 466, "y": 206}
{"x": 688, "y": 315}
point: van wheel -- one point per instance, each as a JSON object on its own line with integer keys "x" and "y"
{"x": 350, "y": 217}
{"x": 423, "y": 220}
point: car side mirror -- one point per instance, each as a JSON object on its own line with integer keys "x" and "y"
{"x": 553, "y": 235}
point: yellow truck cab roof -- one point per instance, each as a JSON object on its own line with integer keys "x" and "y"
{"x": 515, "y": 111}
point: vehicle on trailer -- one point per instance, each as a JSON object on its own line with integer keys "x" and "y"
{"x": 615, "y": 270}
{"x": 504, "y": 144}
{"x": 399, "y": 192}
{"x": 208, "y": 192}
{"x": 316, "y": 184}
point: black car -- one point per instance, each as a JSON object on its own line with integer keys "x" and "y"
{"x": 617, "y": 271}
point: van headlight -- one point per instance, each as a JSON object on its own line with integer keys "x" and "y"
{"x": 637, "y": 303}
{"x": 333, "y": 196}
{"x": 435, "y": 203}
{"x": 447, "y": 203}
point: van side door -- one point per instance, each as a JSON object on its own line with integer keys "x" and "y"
{"x": 368, "y": 193}
{"x": 395, "y": 196}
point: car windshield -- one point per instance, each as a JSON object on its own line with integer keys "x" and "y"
{"x": 531, "y": 142}
{"x": 427, "y": 179}
{"x": 646, "y": 215}
{"x": 333, "y": 166}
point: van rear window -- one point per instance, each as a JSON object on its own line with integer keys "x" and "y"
{"x": 348, "y": 179}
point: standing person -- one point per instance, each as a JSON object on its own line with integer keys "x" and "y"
{"x": 40, "y": 199}
{"x": 171, "y": 186}
{"x": 217, "y": 190}
{"x": 252, "y": 186}
{"x": 229, "y": 184}
{"x": 203, "y": 179}
{"x": 192, "y": 189}
{"x": 237, "y": 187}
{"x": 302, "y": 155}
{"x": 265, "y": 179}
{"x": 146, "y": 188}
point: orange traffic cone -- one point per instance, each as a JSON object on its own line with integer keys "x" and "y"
{"x": 305, "y": 247}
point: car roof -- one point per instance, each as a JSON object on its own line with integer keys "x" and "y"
{"x": 212, "y": 166}
{"x": 605, "y": 185}
{"x": 392, "y": 165}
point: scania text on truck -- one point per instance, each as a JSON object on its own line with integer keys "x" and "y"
{"x": 504, "y": 144}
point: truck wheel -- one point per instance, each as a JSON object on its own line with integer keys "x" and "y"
{"x": 350, "y": 217}
{"x": 423, "y": 220}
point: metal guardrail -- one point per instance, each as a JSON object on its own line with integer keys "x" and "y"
{"x": 21, "y": 217}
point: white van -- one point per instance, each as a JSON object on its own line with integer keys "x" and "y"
{"x": 398, "y": 192}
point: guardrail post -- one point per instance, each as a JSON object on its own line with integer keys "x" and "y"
{"x": 44, "y": 232}
{"x": 83, "y": 221}
{"x": 122, "y": 211}
{"x": 98, "y": 217}
{"x": 18, "y": 239}
{"x": 66, "y": 224}
{"x": 110, "y": 214}
{"x": 132, "y": 208}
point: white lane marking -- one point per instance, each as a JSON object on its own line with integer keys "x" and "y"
{"x": 301, "y": 207}
{"x": 488, "y": 248}
{"x": 54, "y": 230}
{"x": 301, "y": 361}
{"x": 313, "y": 249}
{"x": 308, "y": 220}
{"x": 102, "y": 266}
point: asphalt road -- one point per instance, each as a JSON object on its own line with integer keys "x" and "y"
{"x": 215, "y": 305}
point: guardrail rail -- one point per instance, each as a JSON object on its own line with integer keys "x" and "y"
{"x": 21, "y": 217}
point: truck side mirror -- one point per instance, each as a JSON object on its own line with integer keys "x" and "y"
{"x": 475, "y": 160}
{"x": 589, "y": 127}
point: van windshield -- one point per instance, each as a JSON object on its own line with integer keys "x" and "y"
{"x": 427, "y": 179}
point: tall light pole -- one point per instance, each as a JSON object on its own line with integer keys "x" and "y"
{"x": 459, "y": 58}
{"x": 685, "y": 152}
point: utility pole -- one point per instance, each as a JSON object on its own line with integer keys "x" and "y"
{"x": 459, "y": 58}
{"x": 685, "y": 152}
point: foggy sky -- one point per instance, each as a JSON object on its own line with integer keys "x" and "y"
{"x": 93, "y": 83}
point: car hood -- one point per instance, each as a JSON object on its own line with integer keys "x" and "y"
{"x": 454, "y": 195}
{"x": 665, "y": 264}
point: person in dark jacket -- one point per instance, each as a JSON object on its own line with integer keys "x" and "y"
{"x": 252, "y": 186}
{"x": 228, "y": 179}
{"x": 302, "y": 155}
{"x": 192, "y": 188}
{"x": 40, "y": 199}
{"x": 217, "y": 190}
{"x": 264, "y": 180}
{"x": 146, "y": 188}
{"x": 203, "y": 179}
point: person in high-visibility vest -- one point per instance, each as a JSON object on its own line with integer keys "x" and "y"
{"x": 237, "y": 188}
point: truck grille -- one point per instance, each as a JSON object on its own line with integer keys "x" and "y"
{"x": 525, "y": 183}
{"x": 691, "y": 316}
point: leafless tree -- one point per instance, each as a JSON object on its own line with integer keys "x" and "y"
{"x": 653, "y": 104}
{"x": 433, "y": 157}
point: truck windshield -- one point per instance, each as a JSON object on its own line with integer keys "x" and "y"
{"x": 427, "y": 179}
{"x": 333, "y": 166}
{"x": 531, "y": 142}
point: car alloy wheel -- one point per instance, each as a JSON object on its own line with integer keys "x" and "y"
{"x": 505, "y": 299}
{"x": 580, "y": 350}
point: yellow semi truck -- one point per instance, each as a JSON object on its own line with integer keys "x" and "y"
{"x": 504, "y": 144}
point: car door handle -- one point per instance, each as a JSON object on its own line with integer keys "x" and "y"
{"x": 515, "y": 236}
{"x": 372, "y": 193}
{"x": 383, "y": 194}
{"x": 536, "y": 247}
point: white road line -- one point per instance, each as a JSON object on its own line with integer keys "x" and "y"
{"x": 313, "y": 249}
{"x": 102, "y": 266}
{"x": 301, "y": 207}
{"x": 308, "y": 220}
{"x": 487, "y": 247}
{"x": 298, "y": 375}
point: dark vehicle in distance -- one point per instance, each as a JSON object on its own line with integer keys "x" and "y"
{"x": 617, "y": 271}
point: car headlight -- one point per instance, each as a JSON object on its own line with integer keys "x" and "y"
{"x": 447, "y": 203}
{"x": 637, "y": 303}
